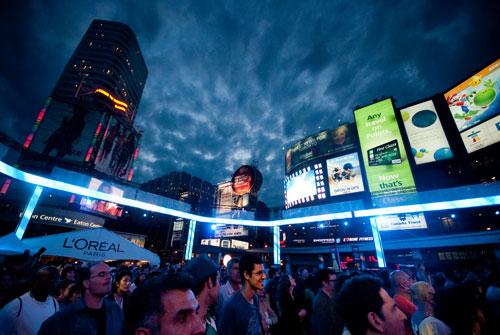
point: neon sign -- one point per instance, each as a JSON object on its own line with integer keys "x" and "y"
{"x": 118, "y": 104}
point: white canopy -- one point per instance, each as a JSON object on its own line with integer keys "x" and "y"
{"x": 11, "y": 245}
{"x": 91, "y": 245}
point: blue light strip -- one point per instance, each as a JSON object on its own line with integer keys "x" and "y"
{"x": 28, "y": 211}
{"x": 378, "y": 243}
{"x": 190, "y": 240}
{"x": 276, "y": 245}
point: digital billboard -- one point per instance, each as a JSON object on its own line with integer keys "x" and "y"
{"x": 344, "y": 175}
{"x": 386, "y": 163}
{"x": 246, "y": 179}
{"x": 400, "y": 222}
{"x": 425, "y": 133}
{"x": 104, "y": 207}
{"x": 328, "y": 142}
{"x": 65, "y": 131}
{"x": 475, "y": 107}
{"x": 305, "y": 185}
{"x": 118, "y": 150}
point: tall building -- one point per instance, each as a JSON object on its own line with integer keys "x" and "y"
{"x": 88, "y": 119}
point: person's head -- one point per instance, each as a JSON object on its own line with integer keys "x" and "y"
{"x": 339, "y": 135}
{"x": 206, "y": 276}
{"x": 164, "y": 305}
{"x": 273, "y": 273}
{"x": 303, "y": 273}
{"x": 141, "y": 278}
{"x": 326, "y": 280}
{"x": 233, "y": 270}
{"x": 401, "y": 281}
{"x": 7, "y": 279}
{"x": 252, "y": 272}
{"x": 68, "y": 273}
{"x": 122, "y": 282}
{"x": 74, "y": 293}
{"x": 46, "y": 280}
{"x": 366, "y": 307}
{"x": 286, "y": 285}
{"x": 422, "y": 293}
{"x": 96, "y": 280}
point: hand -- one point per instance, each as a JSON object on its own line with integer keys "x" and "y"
{"x": 302, "y": 314}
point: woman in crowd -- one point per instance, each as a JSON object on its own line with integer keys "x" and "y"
{"x": 121, "y": 287}
{"x": 291, "y": 313}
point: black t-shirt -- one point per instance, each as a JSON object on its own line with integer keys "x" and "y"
{"x": 100, "y": 317}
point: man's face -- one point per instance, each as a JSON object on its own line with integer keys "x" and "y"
{"x": 234, "y": 273}
{"x": 256, "y": 278}
{"x": 214, "y": 291}
{"x": 180, "y": 317}
{"x": 393, "y": 318}
{"x": 331, "y": 283}
{"x": 99, "y": 283}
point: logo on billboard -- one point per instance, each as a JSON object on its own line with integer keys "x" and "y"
{"x": 91, "y": 248}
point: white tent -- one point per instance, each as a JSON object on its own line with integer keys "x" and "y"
{"x": 91, "y": 245}
{"x": 11, "y": 245}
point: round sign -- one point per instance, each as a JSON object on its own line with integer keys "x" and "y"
{"x": 243, "y": 179}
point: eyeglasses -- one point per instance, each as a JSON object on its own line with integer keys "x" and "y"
{"x": 102, "y": 274}
{"x": 258, "y": 273}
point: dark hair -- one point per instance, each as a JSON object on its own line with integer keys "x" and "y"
{"x": 232, "y": 261}
{"x": 323, "y": 275}
{"x": 247, "y": 263}
{"x": 144, "y": 307}
{"x": 118, "y": 278}
{"x": 137, "y": 282}
{"x": 200, "y": 283}
{"x": 284, "y": 286}
{"x": 66, "y": 270}
{"x": 359, "y": 296}
{"x": 272, "y": 272}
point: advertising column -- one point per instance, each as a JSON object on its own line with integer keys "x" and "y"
{"x": 386, "y": 163}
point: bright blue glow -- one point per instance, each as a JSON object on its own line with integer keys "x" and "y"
{"x": 303, "y": 228}
{"x": 276, "y": 244}
{"x": 88, "y": 202}
{"x": 453, "y": 216}
{"x": 322, "y": 225}
{"x": 378, "y": 243}
{"x": 28, "y": 211}
{"x": 144, "y": 215}
{"x": 214, "y": 227}
{"x": 346, "y": 223}
{"x": 190, "y": 239}
{"x": 497, "y": 212}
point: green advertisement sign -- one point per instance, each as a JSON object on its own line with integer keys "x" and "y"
{"x": 384, "y": 157}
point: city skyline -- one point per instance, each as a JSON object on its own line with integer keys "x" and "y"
{"x": 231, "y": 85}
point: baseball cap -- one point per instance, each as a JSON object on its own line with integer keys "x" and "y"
{"x": 200, "y": 267}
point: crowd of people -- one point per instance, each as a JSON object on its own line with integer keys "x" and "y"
{"x": 244, "y": 298}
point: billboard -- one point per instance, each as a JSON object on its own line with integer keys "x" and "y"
{"x": 425, "y": 133}
{"x": 304, "y": 186}
{"x": 65, "y": 131}
{"x": 401, "y": 222}
{"x": 386, "y": 164}
{"x": 475, "y": 107}
{"x": 110, "y": 209}
{"x": 118, "y": 150}
{"x": 228, "y": 200}
{"x": 327, "y": 142}
{"x": 246, "y": 179}
{"x": 344, "y": 175}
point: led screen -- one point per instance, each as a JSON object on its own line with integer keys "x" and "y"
{"x": 425, "y": 133}
{"x": 474, "y": 105}
{"x": 344, "y": 175}
{"x": 305, "y": 185}
{"x": 104, "y": 207}
{"x": 328, "y": 142}
{"x": 386, "y": 164}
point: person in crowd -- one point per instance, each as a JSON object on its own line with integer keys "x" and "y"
{"x": 164, "y": 305}
{"x": 74, "y": 293}
{"x": 121, "y": 287}
{"x": 25, "y": 314}
{"x": 7, "y": 285}
{"x": 366, "y": 308}
{"x": 68, "y": 273}
{"x": 269, "y": 318}
{"x": 232, "y": 285}
{"x": 423, "y": 321}
{"x": 139, "y": 280}
{"x": 240, "y": 314}
{"x": 292, "y": 313}
{"x": 325, "y": 319}
{"x": 271, "y": 289}
{"x": 206, "y": 275}
{"x": 401, "y": 283}
{"x": 63, "y": 289}
{"x": 91, "y": 314}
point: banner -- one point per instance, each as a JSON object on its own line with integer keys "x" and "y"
{"x": 401, "y": 222}
{"x": 344, "y": 175}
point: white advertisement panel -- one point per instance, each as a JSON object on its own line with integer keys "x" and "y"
{"x": 425, "y": 132}
{"x": 483, "y": 135}
{"x": 401, "y": 222}
{"x": 344, "y": 175}
{"x": 235, "y": 244}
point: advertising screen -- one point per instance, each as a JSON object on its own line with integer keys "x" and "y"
{"x": 105, "y": 207}
{"x": 328, "y": 142}
{"x": 425, "y": 132}
{"x": 386, "y": 164}
{"x": 305, "y": 185}
{"x": 66, "y": 131}
{"x": 474, "y": 105}
{"x": 344, "y": 175}
{"x": 400, "y": 222}
{"x": 118, "y": 150}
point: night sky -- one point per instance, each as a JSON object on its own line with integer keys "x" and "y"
{"x": 239, "y": 82}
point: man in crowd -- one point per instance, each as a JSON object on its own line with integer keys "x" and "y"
{"x": 367, "y": 308}
{"x": 90, "y": 314}
{"x": 271, "y": 289}
{"x": 206, "y": 288}
{"x": 401, "y": 283}
{"x": 240, "y": 314}
{"x": 232, "y": 285}
{"x": 423, "y": 321}
{"x": 325, "y": 319}
{"x": 25, "y": 315}
{"x": 164, "y": 305}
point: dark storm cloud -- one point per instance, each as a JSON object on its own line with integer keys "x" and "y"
{"x": 234, "y": 82}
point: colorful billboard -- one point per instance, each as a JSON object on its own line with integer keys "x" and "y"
{"x": 64, "y": 131}
{"x": 475, "y": 107}
{"x": 425, "y": 133}
{"x": 110, "y": 209}
{"x": 386, "y": 164}
{"x": 328, "y": 142}
{"x": 304, "y": 186}
{"x": 344, "y": 175}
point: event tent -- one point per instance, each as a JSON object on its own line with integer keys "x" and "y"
{"x": 11, "y": 245}
{"x": 91, "y": 245}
